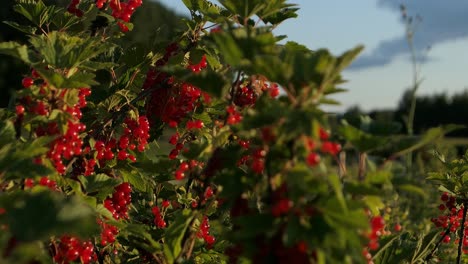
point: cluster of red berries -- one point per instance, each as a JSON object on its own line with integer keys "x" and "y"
{"x": 174, "y": 140}
{"x": 108, "y": 233}
{"x": 69, "y": 144}
{"x": 256, "y": 160}
{"x": 154, "y": 75}
{"x": 194, "y": 124}
{"x": 281, "y": 204}
{"x": 199, "y": 66}
{"x": 281, "y": 207}
{"x": 377, "y": 224}
{"x": 122, "y": 11}
{"x": 66, "y": 146}
{"x": 204, "y": 232}
{"x": 43, "y": 181}
{"x": 180, "y": 172}
{"x": 73, "y": 8}
{"x": 452, "y": 219}
{"x": 71, "y": 249}
{"x": 326, "y": 147}
{"x": 248, "y": 93}
{"x": 245, "y": 96}
{"x": 208, "y": 194}
{"x": 245, "y": 144}
{"x": 185, "y": 166}
{"x": 173, "y": 104}
{"x": 172, "y": 101}
{"x": 135, "y": 136}
{"x": 120, "y": 201}
{"x": 234, "y": 116}
{"x": 158, "y": 214}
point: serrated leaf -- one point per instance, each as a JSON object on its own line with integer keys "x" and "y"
{"x": 335, "y": 183}
{"x": 16, "y": 159}
{"x": 135, "y": 178}
{"x": 374, "y": 203}
{"x": 34, "y": 11}
{"x": 175, "y": 233}
{"x": 99, "y": 183}
{"x": 16, "y": 50}
{"x": 7, "y": 132}
{"x": 22, "y": 28}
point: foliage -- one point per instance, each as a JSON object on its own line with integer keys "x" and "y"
{"x": 209, "y": 148}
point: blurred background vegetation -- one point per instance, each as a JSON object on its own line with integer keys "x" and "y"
{"x": 152, "y": 21}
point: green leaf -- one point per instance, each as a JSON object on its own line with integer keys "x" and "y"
{"x": 16, "y": 159}
{"x": 228, "y": 47}
{"x": 7, "y": 132}
{"x": 135, "y": 178}
{"x": 77, "y": 80}
{"x": 101, "y": 184}
{"x": 22, "y": 28}
{"x": 16, "y": 50}
{"x": 63, "y": 51}
{"x": 411, "y": 144}
{"x": 361, "y": 140}
{"x": 34, "y": 11}
{"x": 209, "y": 81}
{"x": 335, "y": 182}
{"x": 244, "y": 8}
{"x": 281, "y": 15}
{"x": 374, "y": 203}
{"x": 175, "y": 233}
{"x": 40, "y": 215}
{"x": 414, "y": 189}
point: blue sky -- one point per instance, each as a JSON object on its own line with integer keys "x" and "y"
{"x": 383, "y": 71}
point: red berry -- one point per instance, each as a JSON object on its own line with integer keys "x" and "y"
{"x": 108, "y": 155}
{"x": 19, "y": 110}
{"x": 44, "y": 181}
{"x": 377, "y": 222}
{"x": 323, "y": 134}
{"x": 161, "y": 223}
{"x": 373, "y": 244}
{"x": 28, "y": 183}
{"x": 313, "y": 159}
{"x": 397, "y": 227}
{"x": 27, "y": 82}
{"x": 444, "y": 197}
{"x": 209, "y": 239}
{"x": 179, "y": 175}
{"x": 166, "y": 204}
{"x": 446, "y": 239}
{"x": 122, "y": 155}
{"x": 442, "y": 207}
{"x": 208, "y": 192}
{"x": 183, "y": 166}
{"x": 72, "y": 254}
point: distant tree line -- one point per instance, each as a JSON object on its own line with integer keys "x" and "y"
{"x": 152, "y": 21}
{"x": 431, "y": 111}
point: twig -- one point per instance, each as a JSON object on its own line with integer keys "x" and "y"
{"x": 362, "y": 166}
{"x": 447, "y": 231}
{"x": 462, "y": 234}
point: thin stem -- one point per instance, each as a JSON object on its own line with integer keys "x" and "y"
{"x": 462, "y": 234}
{"x": 415, "y": 85}
{"x": 447, "y": 231}
{"x": 362, "y": 166}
